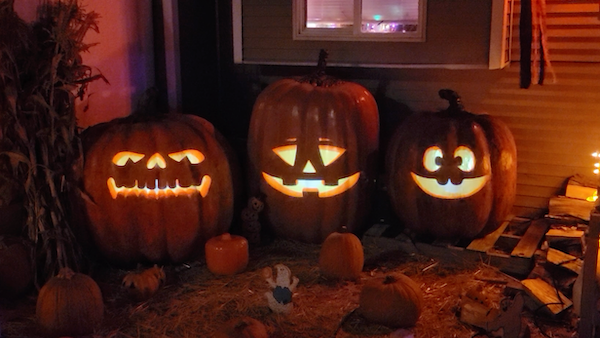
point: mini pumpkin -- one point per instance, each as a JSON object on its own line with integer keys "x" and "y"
{"x": 393, "y": 300}
{"x": 156, "y": 188}
{"x": 341, "y": 256}
{"x": 69, "y": 304}
{"x": 452, "y": 174}
{"x": 226, "y": 254}
{"x": 312, "y": 147}
{"x": 144, "y": 284}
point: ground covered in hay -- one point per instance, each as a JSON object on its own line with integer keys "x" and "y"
{"x": 195, "y": 303}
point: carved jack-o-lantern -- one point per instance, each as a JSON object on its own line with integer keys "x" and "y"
{"x": 452, "y": 174}
{"x": 312, "y": 147}
{"x": 157, "y": 188}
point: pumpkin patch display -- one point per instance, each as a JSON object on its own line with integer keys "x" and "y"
{"x": 69, "y": 304}
{"x": 156, "y": 187}
{"x": 312, "y": 148}
{"x": 452, "y": 174}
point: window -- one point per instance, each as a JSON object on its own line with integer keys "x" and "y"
{"x": 359, "y": 20}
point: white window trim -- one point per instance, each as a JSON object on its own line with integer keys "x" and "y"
{"x": 301, "y": 32}
{"x": 496, "y": 59}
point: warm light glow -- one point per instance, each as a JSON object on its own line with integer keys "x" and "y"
{"x": 157, "y": 192}
{"x": 316, "y": 186}
{"x": 594, "y": 197}
{"x": 287, "y": 153}
{"x": 468, "y": 186}
{"x": 330, "y": 153}
{"x": 309, "y": 168}
{"x": 467, "y": 163}
{"x": 432, "y": 159}
{"x": 193, "y": 155}
{"x": 122, "y": 157}
{"x": 156, "y": 160}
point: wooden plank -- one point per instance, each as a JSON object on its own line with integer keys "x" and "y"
{"x": 531, "y": 239}
{"x": 589, "y": 287}
{"x": 565, "y": 260}
{"x": 486, "y": 243}
{"x": 546, "y": 296}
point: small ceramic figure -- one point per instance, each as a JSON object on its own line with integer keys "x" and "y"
{"x": 250, "y": 220}
{"x": 284, "y": 285}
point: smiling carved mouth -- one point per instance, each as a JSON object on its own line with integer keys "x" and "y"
{"x": 157, "y": 192}
{"x": 318, "y": 186}
{"x": 466, "y": 188}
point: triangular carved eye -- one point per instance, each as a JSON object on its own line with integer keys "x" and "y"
{"x": 122, "y": 157}
{"x": 193, "y": 155}
{"x": 330, "y": 153}
{"x": 287, "y": 153}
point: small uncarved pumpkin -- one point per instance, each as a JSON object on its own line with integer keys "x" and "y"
{"x": 341, "y": 256}
{"x": 226, "y": 254}
{"x": 393, "y": 300}
{"x": 15, "y": 268}
{"x": 69, "y": 304}
{"x": 142, "y": 285}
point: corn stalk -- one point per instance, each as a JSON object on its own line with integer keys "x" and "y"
{"x": 41, "y": 76}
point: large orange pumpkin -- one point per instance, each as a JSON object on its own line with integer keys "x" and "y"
{"x": 156, "y": 188}
{"x": 452, "y": 174}
{"x": 312, "y": 146}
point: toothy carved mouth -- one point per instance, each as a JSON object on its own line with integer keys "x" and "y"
{"x": 466, "y": 188}
{"x": 318, "y": 186}
{"x": 157, "y": 192}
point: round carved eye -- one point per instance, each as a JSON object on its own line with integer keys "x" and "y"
{"x": 432, "y": 158}
{"x": 466, "y": 158}
{"x": 287, "y": 153}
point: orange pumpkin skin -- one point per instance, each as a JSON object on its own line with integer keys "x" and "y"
{"x": 341, "y": 256}
{"x": 226, "y": 254}
{"x": 476, "y": 212}
{"x": 155, "y": 226}
{"x": 307, "y": 116}
{"x": 69, "y": 304}
{"x": 394, "y": 301}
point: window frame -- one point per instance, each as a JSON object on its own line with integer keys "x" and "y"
{"x": 354, "y": 33}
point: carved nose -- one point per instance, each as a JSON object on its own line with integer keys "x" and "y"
{"x": 309, "y": 168}
{"x": 156, "y": 160}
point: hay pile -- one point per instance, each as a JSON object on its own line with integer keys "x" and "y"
{"x": 195, "y": 303}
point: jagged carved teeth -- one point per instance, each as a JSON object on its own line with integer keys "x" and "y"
{"x": 157, "y": 192}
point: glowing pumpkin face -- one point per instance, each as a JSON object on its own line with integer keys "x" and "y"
{"x": 158, "y": 161}
{"x": 156, "y": 189}
{"x": 452, "y": 174}
{"x": 312, "y": 183}
{"x": 312, "y": 150}
{"x": 451, "y": 177}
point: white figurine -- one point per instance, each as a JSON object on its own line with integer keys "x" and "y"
{"x": 280, "y": 299}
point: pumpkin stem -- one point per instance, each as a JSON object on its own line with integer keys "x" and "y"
{"x": 65, "y": 273}
{"x": 389, "y": 279}
{"x": 453, "y": 98}
{"x": 319, "y": 78}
